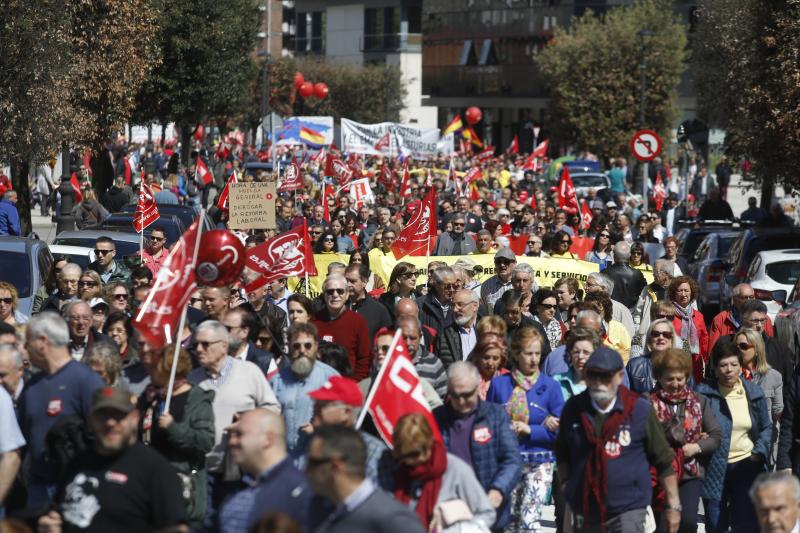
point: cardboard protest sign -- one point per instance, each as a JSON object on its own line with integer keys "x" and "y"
{"x": 251, "y": 205}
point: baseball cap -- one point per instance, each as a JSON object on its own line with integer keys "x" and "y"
{"x": 604, "y": 360}
{"x": 339, "y": 389}
{"x": 505, "y": 253}
{"x": 96, "y": 302}
{"x": 611, "y": 204}
{"x": 112, "y": 398}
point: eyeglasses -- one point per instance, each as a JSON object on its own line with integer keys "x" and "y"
{"x": 102, "y": 252}
{"x": 122, "y": 297}
{"x": 306, "y": 345}
{"x": 7, "y": 301}
{"x": 450, "y": 286}
{"x": 667, "y": 317}
{"x": 744, "y": 346}
{"x": 463, "y": 395}
{"x": 503, "y": 262}
{"x": 157, "y": 239}
{"x": 656, "y": 334}
{"x": 548, "y": 306}
{"x": 204, "y": 344}
{"x": 532, "y": 243}
{"x": 331, "y": 292}
{"x": 383, "y": 348}
{"x": 757, "y": 320}
{"x": 87, "y": 283}
{"x": 605, "y": 235}
{"x": 458, "y": 224}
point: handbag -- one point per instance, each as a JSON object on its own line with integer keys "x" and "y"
{"x": 454, "y": 516}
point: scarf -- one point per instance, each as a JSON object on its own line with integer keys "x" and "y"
{"x": 688, "y": 332}
{"x": 595, "y": 471}
{"x": 430, "y": 475}
{"x": 666, "y": 406}
{"x": 517, "y": 406}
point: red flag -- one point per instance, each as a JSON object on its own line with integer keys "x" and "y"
{"x": 417, "y": 236}
{"x": 539, "y": 152}
{"x": 384, "y": 143}
{"x": 533, "y": 201}
{"x": 146, "y": 209}
{"x": 339, "y": 170}
{"x": 586, "y": 214}
{"x": 474, "y": 173}
{"x": 386, "y": 176}
{"x": 659, "y": 192}
{"x": 292, "y": 178}
{"x": 327, "y": 190}
{"x": 201, "y": 171}
{"x": 282, "y": 256}
{"x": 157, "y": 320}
{"x": 405, "y": 187}
{"x": 222, "y": 202}
{"x": 514, "y": 147}
{"x": 128, "y": 172}
{"x": 397, "y": 391}
{"x": 567, "y": 200}
{"x": 487, "y": 154}
{"x": 76, "y": 186}
{"x": 319, "y": 156}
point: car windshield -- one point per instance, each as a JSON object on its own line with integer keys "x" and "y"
{"x": 724, "y": 245}
{"x": 784, "y": 272}
{"x": 589, "y": 180}
{"x": 124, "y": 248}
{"x": 11, "y": 272}
{"x": 692, "y": 242}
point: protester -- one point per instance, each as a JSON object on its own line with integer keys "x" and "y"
{"x": 493, "y": 288}
{"x": 489, "y": 357}
{"x": 661, "y": 336}
{"x": 456, "y": 341}
{"x": 435, "y": 308}
{"x": 689, "y": 323}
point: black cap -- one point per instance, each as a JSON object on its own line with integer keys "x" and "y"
{"x": 604, "y": 360}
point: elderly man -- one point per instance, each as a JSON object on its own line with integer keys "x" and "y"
{"x": 12, "y": 370}
{"x": 375, "y": 313}
{"x": 81, "y": 333}
{"x": 11, "y": 444}
{"x": 521, "y": 280}
{"x": 238, "y": 386}
{"x": 119, "y": 484}
{"x": 628, "y": 281}
{"x": 406, "y": 307}
{"x": 268, "y": 311}
{"x": 494, "y": 287}
{"x": 242, "y": 328}
{"x": 728, "y": 322}
{"x": 67, "y": 281}
{"x": 257, "y": 444}
{"x": 484, "y": 244}
{"x": 480, "y": 434}
{"x": 609, "y": 438}
{"x": 599, "y": 282}
{"x": 458, "y": 339}
{"x": 435, "y": 308}
{"x": 336, "y": 323}
{"x": 428, "y": 365}
{"x": 63, "y": 388}
{"x": 455, "y": 241}
{"x": 336, "y": 470}
{"x": 776, "y": 497}
{"x": 303, "y": 374}
{"x": 109, "y": 269}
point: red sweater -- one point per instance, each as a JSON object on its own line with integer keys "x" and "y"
{"x": 350, "y": 331}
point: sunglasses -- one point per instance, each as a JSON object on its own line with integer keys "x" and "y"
{"x": 463, "y": 395}
{"x": 306, "y": 345}
{"x": 204, "y": 344}
{"x": 605, "y": 235}
{"x": 264, "y": 340}
{"x": 331, "y": 292}
{"x": 657, "y": 334}
{"x": 458, "y": 224}
{"x": 7, "y": 301}
{"x": 102, "y": 252}
{"x": 124, "y": 297}
{"x": 408, "y": 275}
{"x": 327, "y": 240}
{"x": 744, "y": 346}
{"x": 635, "y": 253}
{"x": 668, "y": 317}
{"x": 86, "y": 283}
{"x": 157, "y": 239}
{"x": 316, "y": 233}
{"x": 548, "y": 306}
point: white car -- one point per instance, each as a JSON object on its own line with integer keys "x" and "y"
{"x": 77, "y": 254}
{"x": 773, "y": 270}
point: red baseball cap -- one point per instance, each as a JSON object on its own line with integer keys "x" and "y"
{"x": 339, "y": 389}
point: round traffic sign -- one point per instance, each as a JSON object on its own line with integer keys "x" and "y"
{"x": 646, "y": 145}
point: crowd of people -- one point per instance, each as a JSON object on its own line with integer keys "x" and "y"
{"x": 610, "y": 396}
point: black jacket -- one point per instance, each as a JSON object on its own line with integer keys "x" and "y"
{"x": 628, "y": 283}
{"x": 258, "y": 356}
{"x": 374, "y": 313}
{"x": 430, "y": 313}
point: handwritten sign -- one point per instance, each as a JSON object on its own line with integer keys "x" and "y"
{"x": 251, "y": 205}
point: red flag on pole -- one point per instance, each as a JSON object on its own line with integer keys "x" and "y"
{"x": 339, "y": 170}
{"x": 319, "y": 156}
{"x": 416, "y": 237}
{"x": 659, "y": 192}
{"x": 158, "y": 316}
{"x": 76, "y": 186}
{"x": 292, "y": 178}
{"x": 539, "y": 152}
{"x": 474, "y": 173}
{"x": 386, "y": 177}
{"x": 201, "y": 171}
{"x": 514, "y": 146}
{"x": 405, "y": 187}
{"x": 567, "y": 200}
{"x": 397, "y": 391}
{"x": 487, "y": 154}
{"x": 327, "y": 190}
{"x": 282, "y": 256}
{"x": 146, "y": 209}
{"x": 586, "y": 214}
{"x": 222, "y": 202}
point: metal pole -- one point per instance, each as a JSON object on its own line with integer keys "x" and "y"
{"x": 643, "y": 88}
{"x": 267, "y": 65}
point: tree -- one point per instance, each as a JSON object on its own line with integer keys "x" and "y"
{"x": 36, "y": 84}
{"x": 751, "y": 88}
{"x": 594, "y": 75}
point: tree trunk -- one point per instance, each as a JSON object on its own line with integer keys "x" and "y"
{"x": 767, "y": 192}
{"x": 186, "y": 143}
{"x": 20, "y": 170}
{"x": 102, "y": 170}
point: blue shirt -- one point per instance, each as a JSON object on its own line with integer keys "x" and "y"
{"x": 9, "y": 219}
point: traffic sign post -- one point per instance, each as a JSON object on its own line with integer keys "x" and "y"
{"x": 645, "y": 146}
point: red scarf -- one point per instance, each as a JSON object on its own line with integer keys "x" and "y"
{"x": 595, "y": 471}
{"x": 430, "y": 474}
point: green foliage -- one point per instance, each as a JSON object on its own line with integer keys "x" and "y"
{"x": 594, "y": 75}
{"x": 749, "y": 82}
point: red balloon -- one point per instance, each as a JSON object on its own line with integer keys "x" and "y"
{"x": 199, "y": 132}
{"x": 306, "y": 89}
{"x": 473, "y": 115}
{"x": 321, "y": 90}
{"x": 298, "y": 80}
{"x": 221, "y": 258}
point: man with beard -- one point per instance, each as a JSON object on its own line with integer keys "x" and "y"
{"x": 609, "y": 439}
{"x": 303, "y": 375}
{"x": 119, "y": 484}
{"x": 458, "y": 339}
{"x": 242, "y": 327}
{"x": 494, "y": 287}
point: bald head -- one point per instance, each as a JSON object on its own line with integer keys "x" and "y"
{"x": 406, "y": 307}
{"x": 257, "y": 440}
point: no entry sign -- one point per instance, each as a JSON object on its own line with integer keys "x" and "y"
{"x": 646, "y": 145}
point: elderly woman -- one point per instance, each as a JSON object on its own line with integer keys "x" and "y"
{"x": 690, "y": 427}
{"x": 581, "y": 343}
{"x": 428, "y": 476}
{"x": 545, "y": 313}
{"x": 534, "y": 402}
{"x": 491, "y": 326}
{"x": 103, "y": 358}
{"x": 689, "y": 323}
{"x": 9, "y": 298}
{"x": 489, "y": 357}
{"x": 660, "y": 337}
{"x": 185, "y": 434}
{"x": 741, "y": 409}
{"x": 90, "y": 286}
{"x": 117, "y": 296}
{"x": 118, "y": 326}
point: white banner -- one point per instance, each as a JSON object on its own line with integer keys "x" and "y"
{"x": 390, "y": 139}
{"x": 361, "y": 191}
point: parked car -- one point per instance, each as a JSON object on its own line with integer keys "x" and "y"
{"x": 186, "y": 214}
{"x": 123, "y": 222}
{"x": 708, "y": 266}
{"x": 770, "y": 271}
{"x": 692, "y": 232}
{"x": 26, "y": 264}
{"x": 584, "y": 181}
{"x": 744, "y": 249}
{"x": 80, "y": 255}
{"x": 127, "y": 244}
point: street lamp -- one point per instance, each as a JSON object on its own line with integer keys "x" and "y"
{"x": 642, "y": 35}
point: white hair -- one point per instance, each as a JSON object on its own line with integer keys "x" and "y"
{"x": 16, "y": 355}
{"x": 463, "y": 369}
{"x": 622, "y": 252}
{"x": 603, "y": 280}
{"x": 769, "y": 479}
{"x": 215, "y": 326}
{"x": 51, "y": 326}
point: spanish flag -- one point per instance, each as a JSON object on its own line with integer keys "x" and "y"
{"x": 454, "y": 125}
{"x": 470, "y": 134}
{"x": 311, "y": 136}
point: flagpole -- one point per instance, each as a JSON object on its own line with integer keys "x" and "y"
{"x": 182, "y": 322}
{"x": 363, "y": 414}
{"x": 141, "y": 236}
{"x": 306, "y": 284}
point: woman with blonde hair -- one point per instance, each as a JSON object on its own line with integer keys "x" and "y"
{"x": 489, "y": 357}
{"x": 90, "y": 286}
{"x": 9, "y": 299}
{"x": 491, "y": 326}
{"x": 88, "y": 212}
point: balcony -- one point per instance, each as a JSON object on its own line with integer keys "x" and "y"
{"x": 306, "y": 45}
{"x": 391, "y": 42}
{"x": 495, "y": 81}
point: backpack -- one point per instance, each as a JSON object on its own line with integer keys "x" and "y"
{"x": 191, "y": 188}
{"x": 67, "y": 439}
